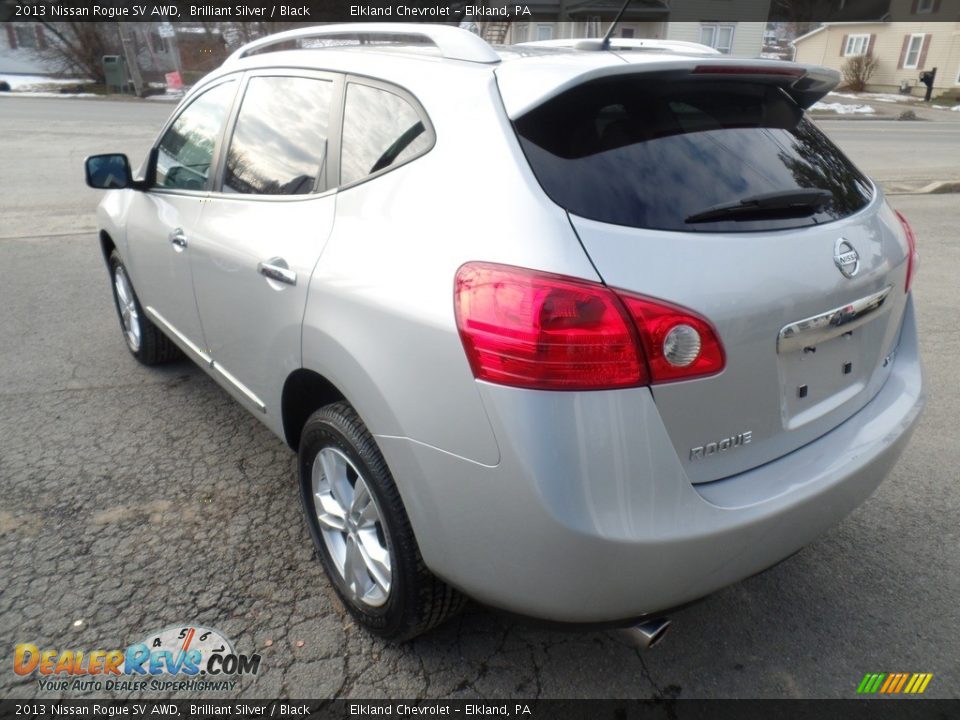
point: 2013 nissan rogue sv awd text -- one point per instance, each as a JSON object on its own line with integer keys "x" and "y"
{"x": 582, "y": 333}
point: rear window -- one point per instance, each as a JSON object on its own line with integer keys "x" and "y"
{"x": 653, "y": 154}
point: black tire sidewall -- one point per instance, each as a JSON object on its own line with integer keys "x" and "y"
{"x": 324, "y": 430}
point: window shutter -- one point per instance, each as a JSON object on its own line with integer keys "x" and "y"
{"x": 41, "y": 38}
{"x": 843, "y": 46}
{"x": 923, "y": 51}
{"x": 873, "y": 39}
{"x": 11, "y": 37}
{"x": 913, "y": 7}
{"x": 903, "y": 52}
{"x": 936, "y": 6}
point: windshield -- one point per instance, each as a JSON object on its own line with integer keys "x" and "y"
{"x": 648, "y": 153}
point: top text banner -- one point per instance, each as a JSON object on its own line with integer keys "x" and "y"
{"x": 449, "y": 11}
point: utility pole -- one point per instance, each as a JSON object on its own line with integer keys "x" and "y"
{"x": 130, "y": 54}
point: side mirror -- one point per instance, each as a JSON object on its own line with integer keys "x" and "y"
{"x": 109, "y": 172}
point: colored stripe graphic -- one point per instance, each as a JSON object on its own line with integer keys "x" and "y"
{"x": 894, "y": 683}
{"x": 903, "y": 679}
{"x": 890, "y": 682}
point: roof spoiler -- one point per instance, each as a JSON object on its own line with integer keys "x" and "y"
{"x": 526, "y": 85}
{"x": 682, "y": 47}
{"x": 804, "y": 83}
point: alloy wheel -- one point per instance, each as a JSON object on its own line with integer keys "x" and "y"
{"x": 352, "y": 527}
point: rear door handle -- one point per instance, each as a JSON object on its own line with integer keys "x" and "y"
{"x": 178, "y": 240}
{"x": 277, "y": 269}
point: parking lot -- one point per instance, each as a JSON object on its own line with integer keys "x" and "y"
{"x": 134, "y": 499}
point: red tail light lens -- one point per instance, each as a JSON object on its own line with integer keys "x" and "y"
{"x": 530, "y": 329}
{"x": 659, "y": 323}
{"x": 536, "y": 330}
{"x": 913, "y": 257}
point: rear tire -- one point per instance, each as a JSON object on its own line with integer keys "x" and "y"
{"x": 362, "y": 532}
{"x": 145, "y": 341}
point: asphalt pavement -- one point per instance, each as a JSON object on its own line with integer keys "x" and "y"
{"x": 134, "y": 499}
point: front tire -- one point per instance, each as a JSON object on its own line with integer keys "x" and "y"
{"x": 361, "y": 530}
{"x": 145, "y": 341}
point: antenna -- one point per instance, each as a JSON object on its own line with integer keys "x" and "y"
{"x": 605, "y": 45}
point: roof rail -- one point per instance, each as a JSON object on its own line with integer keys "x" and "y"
{"x": 452, "y": 42}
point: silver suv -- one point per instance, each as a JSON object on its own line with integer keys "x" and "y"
{"x": 581, "y": 333}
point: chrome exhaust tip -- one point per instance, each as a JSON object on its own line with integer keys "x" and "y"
{"x": 648, "y": 633}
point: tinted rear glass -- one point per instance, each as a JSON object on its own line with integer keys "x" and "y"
{"x": 649, "y": 153}
{"x": 380, "y": 130}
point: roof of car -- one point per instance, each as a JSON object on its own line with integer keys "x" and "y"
{"x": 424, "y": 58}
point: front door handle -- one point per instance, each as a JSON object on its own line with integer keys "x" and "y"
{"x": 178, "y": 240}
{"x": 277, "y": 269}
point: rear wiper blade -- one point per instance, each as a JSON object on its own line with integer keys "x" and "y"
{"x": 786, "y": 203}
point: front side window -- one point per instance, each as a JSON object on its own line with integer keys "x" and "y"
{"x": 276, "y": 151}
{"x": 186, "y": 149}
{"x": 380, "y": 129}
{"x": 914, "y": 46}
{"x": 856, "y": 45}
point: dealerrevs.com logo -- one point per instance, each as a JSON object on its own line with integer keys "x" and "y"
{"x": 198, "y": 658}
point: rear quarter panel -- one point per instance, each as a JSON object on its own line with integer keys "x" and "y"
{"x": 380, "y": 319}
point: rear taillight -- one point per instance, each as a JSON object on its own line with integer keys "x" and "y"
{"x": 677, "y": 344}
{"x": 913, "y": 257}
{"x": 535, "y": 330}
{"x": 530, "y": 329}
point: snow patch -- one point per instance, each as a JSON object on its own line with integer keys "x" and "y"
{"x": 48, "y": 95}
{"x": 843, "y": 108}
{"x": 25, "y": 82}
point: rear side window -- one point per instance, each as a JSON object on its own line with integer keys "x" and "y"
{"x": 654, "y": 154}
{"x": 279, "y": 143}
{"x": 380, "y": 130}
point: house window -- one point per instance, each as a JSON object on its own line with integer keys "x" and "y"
{"x": 912, "y": 58}
{"x": 719, "y": 37}
{"x": 925, "y": 6}
{"x": 26, "y": 36}
{"x": 626, "y": 33}
{"x": 520, "y": 31}
{"x": 856, "y": 45}
{"x": 544, "y": 32}
{"x": 158, "y": 44}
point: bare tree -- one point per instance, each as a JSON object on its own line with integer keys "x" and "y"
{"x": 857, "y": 71}
{"x": 77, "y": 48}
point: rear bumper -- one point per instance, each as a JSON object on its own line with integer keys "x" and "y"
{"x": 589, "y": 516}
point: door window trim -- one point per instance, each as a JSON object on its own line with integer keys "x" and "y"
{"x": 331, "y": 171}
